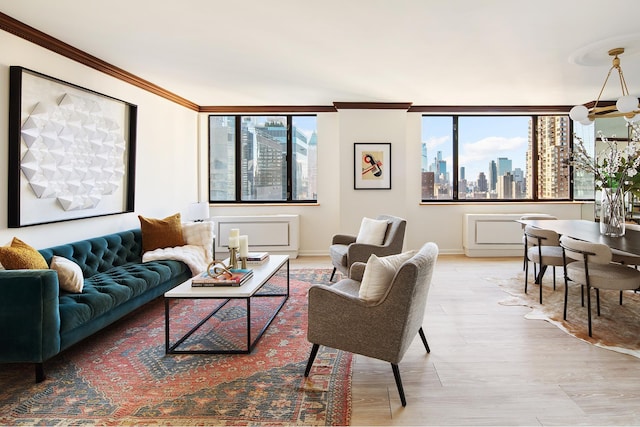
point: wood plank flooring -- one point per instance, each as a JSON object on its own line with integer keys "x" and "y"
{"x": 489, "y": 365}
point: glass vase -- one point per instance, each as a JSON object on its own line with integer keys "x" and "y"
{"x": 612, "y": 213}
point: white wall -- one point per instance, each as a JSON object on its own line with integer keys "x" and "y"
{"x": 166, "y": 168}
{"x": 340, "y": 208}
{"x": 172, "y": 168}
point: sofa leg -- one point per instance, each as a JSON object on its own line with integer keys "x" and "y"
{"x": 312, "y": 356}
{"x": 40, "y": 376}
{"x": 332, "y": 274}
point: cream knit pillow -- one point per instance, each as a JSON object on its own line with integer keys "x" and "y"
{"x": 379, "y": 273}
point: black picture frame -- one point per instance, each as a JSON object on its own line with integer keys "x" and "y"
{"x": 72, "y": 151}
{"x": 372, "y": 166}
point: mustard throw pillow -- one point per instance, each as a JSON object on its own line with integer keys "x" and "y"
{"x": 161, "y": 233}
{"x": 21, "y": 256}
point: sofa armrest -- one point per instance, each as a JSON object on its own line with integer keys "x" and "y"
{"x": 29, "y": 315}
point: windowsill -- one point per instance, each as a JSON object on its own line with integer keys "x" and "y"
{"x": 499, "y": 203}
{"x": 259, "y": 205}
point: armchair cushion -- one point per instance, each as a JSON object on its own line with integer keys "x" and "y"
{"x": 372, "y": 231}
{"x": 379, "y": 273}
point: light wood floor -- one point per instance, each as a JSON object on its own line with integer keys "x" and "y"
{"x": 490, "y": 366}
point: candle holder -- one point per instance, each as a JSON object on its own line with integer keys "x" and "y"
{"x": 243, "y": 262}
{"x": 233, "y": 257}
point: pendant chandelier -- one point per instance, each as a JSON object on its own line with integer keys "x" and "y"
{"x": 626, "y": 106}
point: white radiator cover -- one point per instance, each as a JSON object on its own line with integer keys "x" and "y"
{"x": 266, "y": 233}
{"x": 487, "y": 235}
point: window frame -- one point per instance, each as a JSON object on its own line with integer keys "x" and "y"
{"x": 534, "y": 114}
{"x": 238, "y": 159}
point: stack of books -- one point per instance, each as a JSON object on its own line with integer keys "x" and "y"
{"x": 237, "y": 277}
{"x": 257, "y": 257}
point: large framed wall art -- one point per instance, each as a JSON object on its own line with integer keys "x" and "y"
{"x": 71, "y": 151}
{"x": 372, "y": 166}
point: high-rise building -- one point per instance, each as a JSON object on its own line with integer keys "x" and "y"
{"x": 482, "y": 183}
{"x": 428, "y": 186}
{"x": 493, "y": 175}
{"x": 425, "y": 160}
{"x": 506, "y": 188}
{"x": 553, "y": 154}
{"x": 504, "y": 166}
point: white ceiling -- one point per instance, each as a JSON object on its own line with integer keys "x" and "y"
{"x": 316, "y": 52}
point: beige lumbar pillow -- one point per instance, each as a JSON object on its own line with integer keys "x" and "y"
{"x": 70, "y": 275}
{"x": 372, "y": 231}
{"x": 378, "y": 274}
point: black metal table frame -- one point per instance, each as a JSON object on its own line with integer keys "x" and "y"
{"x": 173, "y": 348}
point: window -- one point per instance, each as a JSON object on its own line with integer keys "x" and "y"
{"x": 263, "y": 158}
{"x": 495, "y": 157}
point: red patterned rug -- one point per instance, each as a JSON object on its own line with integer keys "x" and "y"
{"x": 122, "y": 376}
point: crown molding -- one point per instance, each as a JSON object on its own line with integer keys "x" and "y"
{"x": 267, "y": 109}
{"x": 481, "y": 109}
{"x": 372, "y": 105}
{"x": 39, "y": 38}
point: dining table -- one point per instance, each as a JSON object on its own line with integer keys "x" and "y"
{"x": 588, "y": 231}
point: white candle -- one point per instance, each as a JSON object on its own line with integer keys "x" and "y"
{"x": 233, "y": 242}
{"x": 244, "y": 246}
{"x": 234, "y": 232}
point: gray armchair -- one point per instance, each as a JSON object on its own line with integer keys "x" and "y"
{"x": 344, "y": 250}
{"x": 383, "y": 329}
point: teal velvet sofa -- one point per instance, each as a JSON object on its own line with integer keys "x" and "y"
{"x": 38, "y": 320}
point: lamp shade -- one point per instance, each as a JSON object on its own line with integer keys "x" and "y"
{"x": 579, "y": 113}
{"x": 198, "y": 211}
{"x": 627, "y": 104}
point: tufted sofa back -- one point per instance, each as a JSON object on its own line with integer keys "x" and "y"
{"x": 99, "y": 254}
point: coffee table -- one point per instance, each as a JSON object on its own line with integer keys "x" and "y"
{"x": 249, "y": 290}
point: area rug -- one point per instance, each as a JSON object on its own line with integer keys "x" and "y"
{"x": 122, "y": 376}
{"x": 617, "y": 328}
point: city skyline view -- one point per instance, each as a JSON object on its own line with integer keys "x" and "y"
{"x": 481, "y": 140}
{"x": 495, "y": 157}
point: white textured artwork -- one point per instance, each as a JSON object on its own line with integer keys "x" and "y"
{"x": 72, "y": 152}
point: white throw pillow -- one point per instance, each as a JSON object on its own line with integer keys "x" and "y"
{"x": 70, "y": 275}
{"x": 372, "y": 231}
{"x": 378, "y": 274}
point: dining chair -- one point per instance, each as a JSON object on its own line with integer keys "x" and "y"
{"x": 541, "y": 247}
{"x": 594, "y": 269}
{"x": 626, "y": 258}
{"x": 531, "y": 217}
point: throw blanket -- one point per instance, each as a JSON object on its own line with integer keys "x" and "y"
{"x": 194, "y": 256}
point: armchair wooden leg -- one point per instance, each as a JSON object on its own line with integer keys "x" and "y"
{"x": 396, "y": 374}
{"x": 332, "y": 274}
{"x": 424, "y": 340}
{"x": 312, "y": 356}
